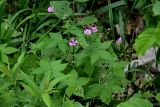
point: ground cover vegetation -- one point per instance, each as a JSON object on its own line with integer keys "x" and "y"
{"x": 74, "y": 53}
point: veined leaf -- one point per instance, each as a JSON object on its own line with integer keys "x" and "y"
{"x": 87, "y": 20}
{"x": 158, "y": 97}
{"x": 110, "y": 6}
{"x": 106, "y": 94}
{"x": 29, "y": 89}
{"x": 136, "y": 102}
{"x": 9, "y": 50}
{"x": 145, "y": 40}
{"x": 82, "y": 0}
{"x": 45, "y": 82}
{"x": 68, "y": 103}
{"x": 156, "y": 8}
{"x": 95, "y": 57}
{"x": 105, "y": 45}
{"x": 157, "y": 30}
{"x": 20, "y": 60}
{"x": 31, "y": 83}
{"x": 61, "y": 9}
{"x": 56, "y": 81}
{"x": 46, "y": 99}
{"x": 93, "y": 91}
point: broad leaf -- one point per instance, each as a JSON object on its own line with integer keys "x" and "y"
{"x": 87, "y": 20}
{"x": 93, "y": 91}
{"x": 61, "y": 9}
{"x": 136, "y": 102}
{"x": 46, "y": 99}
{"x": 145, "y": 40}
{"x": 156, "y": 8}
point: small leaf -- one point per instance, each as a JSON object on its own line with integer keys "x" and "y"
{"x": 105, "y": 45}
{"x": 106, "y": 95}
{"x": 82, "y": 0}
{"x": 87, "y": 20}
{"x": 156, "y": 8}
{"x": 29, "y": 89}
{"x": 68, "y": 103}
{"x": 56, "y": 81}
{"x": 46, "y": 99}
{"x": 136, "y": 102}
{"x": 93, "y": 91}
{"x": 95, "y": 57}
{"x": 82, "y": 81}
{"x": 31, "y": 83}
{"x": 61, "y": 9}
{"x": 9, "y": 50}
{"x": 145, "y": 40}
{"x": 77, "y": 104}
{"x": 158, "y": 97}
{"x": 157, "y": 30}
{"x": 78, "y": 91}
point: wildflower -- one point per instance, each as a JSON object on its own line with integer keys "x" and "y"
{"x": 50, "y": 9}
{"x": 94, "y": 28}
{"x": 87, "y": 31}
{"x": 119, "y": 41}
{"x": 73, "y": 42}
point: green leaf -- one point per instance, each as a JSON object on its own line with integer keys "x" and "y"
{"x": 157, "y": 30}
{"x": 1, "y": 2}
{"x": 4, "y": 87}
{"x": 105, "y": 45}
{"x": 5, "y": 58}
{"x": 156, "y": 8}
{"x": 158, "y": 97}
{"x": 61, "y": 9}
{"x": 110, "y": 6}
{"x": 57, "y": 67}
{"x": 78, "y": 91}
{"x": 46, "y": 99}
{"x": 29, "y": 89}
{"x": 136, "y": 102}
{"x": 56, "y": 81}
{"x": 77, "y": 104}
{"x": 63, "y": 46}
{"x": 145, "y": 40}
{"x": 106, "y": 95}
{"x": 3, "y": 68}
{"x": 82, "y": 81}
{"x": 45, "y": 82}
{"x": 105, "y": 55}
{"x": 82, "y": 0}
{"x": 31, "y": 83}
{"x": 140, "y": 4}
{"x": 93, "y": 91}
{"x": 68, "y": 103}
{"x": 71, "y": 81}
{"x": 20, "y": 60}
{"x": 69, "y": 90}
{"x": 9, "y": 50}
{"x": 87, "y": 20}
{"x": 95, "y": 57}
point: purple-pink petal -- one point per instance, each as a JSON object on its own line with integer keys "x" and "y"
{"x": 73, "y": 42}
{"x": 87, "y": 31}
{"x": 119, "y": 41}
{"x": 94, "y": 28}
{"x": 50, "y": 9}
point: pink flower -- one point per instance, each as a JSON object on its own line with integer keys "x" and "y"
{"x": 119, "y": 41}
{"x": 87, "y": 31}
{"x": 50, "y": 9}
{"x": 94, "y": 28}
{"x": 73, "y": 42}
